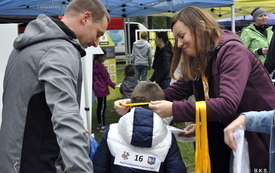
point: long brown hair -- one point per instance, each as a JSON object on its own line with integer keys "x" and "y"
{"x": 205, "y": 38}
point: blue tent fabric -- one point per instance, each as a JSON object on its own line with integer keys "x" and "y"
{"x": 134, "y": 8}
{"x": 116, "y": 8}
{"x": 33, "y": 7}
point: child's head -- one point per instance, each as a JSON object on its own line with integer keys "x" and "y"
{"x": 130, "y": 70}
{"x": 144, "y": 35}
{"x": 100, "y": 57}
{"x": 146, "y": 92}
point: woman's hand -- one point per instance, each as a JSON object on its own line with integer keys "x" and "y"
{"x": 119, "y": 108}
{"x": 191, "y": 129}
{"x": 264, "y": 51}
{"x": 231, "y": 128}
{"x": 163, "y": 108}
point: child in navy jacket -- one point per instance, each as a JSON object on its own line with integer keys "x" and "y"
{"x": 140, "y": 141}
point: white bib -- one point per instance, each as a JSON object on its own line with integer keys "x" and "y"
{"x": 136, "y": 160}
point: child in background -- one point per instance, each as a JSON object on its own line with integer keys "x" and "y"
{"x": 140, "y": 142}
{"x": 101, "y": 81}
{"x": 129, "y": 82}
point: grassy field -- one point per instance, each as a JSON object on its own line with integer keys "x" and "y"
{"x": 187, "y": 149}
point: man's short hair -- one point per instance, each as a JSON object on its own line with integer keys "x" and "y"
{"x": 95, "y": 7}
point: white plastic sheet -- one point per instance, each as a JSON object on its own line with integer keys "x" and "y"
{"x": 177, "y": 131}
{"x": 241, "y": 162}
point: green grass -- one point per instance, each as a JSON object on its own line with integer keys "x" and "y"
{"x": 187, "y": 149}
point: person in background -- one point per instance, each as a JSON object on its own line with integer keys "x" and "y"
{"x": 162, "y": 61}
{"x": 263, "y": 122}
{"x": 139, "y": 132}
{"x": 101, "y": 83}
{"x": 269, "y": 63}
{"x": 42, "y": 129}
{"x": 129, "y": 82}
{"x": 213, "y": 70}
{"x": 257, "y": 35}
{"x": 141, "y": 55}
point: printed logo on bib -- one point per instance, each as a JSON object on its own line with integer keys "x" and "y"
{"x": 137, "y": 160}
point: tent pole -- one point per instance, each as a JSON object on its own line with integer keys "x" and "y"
{"x": 87, "y": 106}
{"x": 125, "y": 40}
{"x": 233, "y": 17}
{"x": 128, "y": 42}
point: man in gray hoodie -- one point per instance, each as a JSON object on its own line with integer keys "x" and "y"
{"x": 141, "y": 55}
{"x": 42, "y": 130}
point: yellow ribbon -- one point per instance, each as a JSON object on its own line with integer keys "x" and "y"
{"x": 137, "y": 104}
{"x": 205, "y": 87}
{"x": 202, "y": 159}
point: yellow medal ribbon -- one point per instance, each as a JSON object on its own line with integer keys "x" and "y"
{"x": 205, "y": 87}
{"x": 137, "y": 104}
{"x": 202, "y": 159}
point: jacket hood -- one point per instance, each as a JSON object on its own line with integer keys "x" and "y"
{"x": 131, "y": 80}
{"x": 140, "y": 43}
{"x": 225, "y": 37}
{"x": 142, "y": 128}
{"x": 43, "y": 29}
{"x": 228, "y": 36}
{"x": 129, "y": 83}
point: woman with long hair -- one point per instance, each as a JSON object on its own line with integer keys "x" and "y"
{"x": 219, "y": 69}
{"x": 162, "y": 61}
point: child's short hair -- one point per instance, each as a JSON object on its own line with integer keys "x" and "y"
{"x": 144, "y": 35}
{"x": 146, "y": 92}
{"x": 130, "y": 70}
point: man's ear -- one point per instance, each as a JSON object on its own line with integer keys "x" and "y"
{"x": 86, "y": 17}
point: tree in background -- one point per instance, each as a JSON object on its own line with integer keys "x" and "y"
{"x": 153, "y": 22}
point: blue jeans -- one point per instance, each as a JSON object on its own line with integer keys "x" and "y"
{"x": 141, "y": 72}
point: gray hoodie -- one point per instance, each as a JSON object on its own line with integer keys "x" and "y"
{"x": 40, "y": 116}
{"x": 141, "y": 53}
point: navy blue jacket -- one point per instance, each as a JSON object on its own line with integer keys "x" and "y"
{"x": 143, "y": 131}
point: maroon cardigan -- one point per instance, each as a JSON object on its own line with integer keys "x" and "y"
{"x": 238, "y": 82}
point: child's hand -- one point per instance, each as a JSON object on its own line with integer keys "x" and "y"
{"x": 231, "y": 128}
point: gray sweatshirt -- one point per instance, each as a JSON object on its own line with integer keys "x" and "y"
{"x": 141, "y": 53}
{"x": 41, "y": 124}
